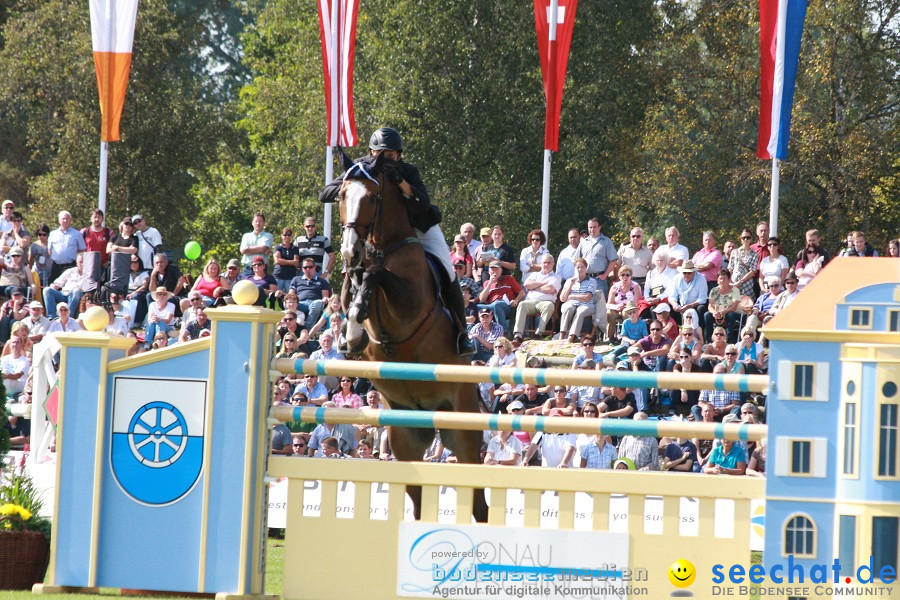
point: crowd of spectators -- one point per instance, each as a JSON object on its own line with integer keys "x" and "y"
{"x": 639, "y": 305}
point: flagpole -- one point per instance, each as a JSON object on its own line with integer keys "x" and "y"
{"x": 335, "y": 111}
{"x": 101, "y": 193}
{"x": 773, "y": 199}
{"x": 551, "y": 102}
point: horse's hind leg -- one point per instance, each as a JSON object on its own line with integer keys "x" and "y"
{"x": 409, "y": 444}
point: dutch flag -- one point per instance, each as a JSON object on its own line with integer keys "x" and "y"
{"x": 780, "y": 32}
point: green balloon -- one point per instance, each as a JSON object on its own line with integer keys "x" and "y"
{"x": 192, "y": 250}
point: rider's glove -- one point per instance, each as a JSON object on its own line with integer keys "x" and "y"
{"x": 395, "y": 176}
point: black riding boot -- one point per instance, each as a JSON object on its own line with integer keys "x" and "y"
{"x": 454, "y": 299}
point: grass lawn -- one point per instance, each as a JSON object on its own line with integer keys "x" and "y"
{"x": 274, "y": 562}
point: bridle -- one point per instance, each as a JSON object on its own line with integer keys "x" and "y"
{"x": 378, "y": 199}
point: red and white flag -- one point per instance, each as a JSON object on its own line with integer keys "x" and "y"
{"x": 337, "y": 64}
{"x": 112, "y": 32}
{"x": 554, "y": 33}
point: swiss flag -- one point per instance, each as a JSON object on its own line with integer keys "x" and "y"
{"x": 554, "y": 33}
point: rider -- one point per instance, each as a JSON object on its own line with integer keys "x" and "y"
{"x": 424, "y": 216}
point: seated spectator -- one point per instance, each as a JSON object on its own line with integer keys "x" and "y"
{"x": 757, "y": 465}
{"x": 485, "y": 334}
{"x": 750, "y": 352}
{"x": 663, "y": 314}
{"x": 64, "y": 323}
{"x": 471, "y": 307}
{"x": 560, "y": 400}
{"x": 504, "y": 449}
{"x": 723, "y": 307}
{"x": 344, "y": 397}
{"x": 66, "y": 288}
{"x": 199, "y": 326}
{"x": 300, "y": 440}
{"x": 135, "y": 303}
{"x": 313, "y": 389}
{"x": 787, "y": 296}
{"x": 586, "y": 352}
{"x": 596, "y": 451}
{"x": 364, "y": 450}
{"x": 503, "y": 354}
{"x": 282, "y": 440}
{"x": 332, "y": 308}
{"x": 689, "y": 295}
{"x": 658, "y": 284}
{"x": 327, "y": 351}
{"x": 633, "y": 330}
{"x": 704, "y": 446}
{"x": 260, "y": 277}
{"x": 654, "y": 348}
{"x": 36, "y": 322}
{"x": 642, "y": 450}
{"x": 210, "y": 284}
{"x": 585, "y": 394}
{"x": 160, "y": 340}
{"x": 21, "y": 331}
{"x": 160, "y": 315}
{"x": 557, "y": 449}
{"x": 500, "y": 293}
{"x": 619, "y": 404}
{"x": 683, "y": 401}
{"x": 761, "y": 312}
{"x": 680, "y": 455}
{"x": 541, "y": 289}
{"x": 459, "y": 255}
{"x": 289, "y": 347}
{"x": 532, "y": 400}
{"x": 577, "y": 297}
{"x": 723, "y": 402}
{"x": 727, "y": 459}
{"x": 19, "y": 430}
{"x": 531, "y": 255}
{"x": 713, "y": 353}
{"x": 343, "y": 433}
{"x": 14, "y": 310}
{"x": 732, "y": 366}
{"x": 189, "y": 308}
{"x": 312, "y": 291}
{"x": 117, "y": 324}
{"x": 14, "y": 367}
{"x": 620, "y": 294}
{"x": 15, "y": 274}
{"x": 686, "y": 340}
{"x": 291, "y": 323}
{"x": 469, "y": 283}
{"x": 893, "y": 249}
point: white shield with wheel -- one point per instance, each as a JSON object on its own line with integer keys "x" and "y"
{"x": 156, "y": 450}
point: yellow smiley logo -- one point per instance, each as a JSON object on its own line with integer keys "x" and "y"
{"x": 682, "y": 573}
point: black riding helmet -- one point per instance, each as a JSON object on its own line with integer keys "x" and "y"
{"x": 386, "y": 138}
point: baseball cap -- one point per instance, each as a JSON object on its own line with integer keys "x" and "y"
{"x": 495, "y": 263}
{"x": 485, "y": 311}
{"x": 622, "y": 365}
{"x": 35, "y": 304}
{"x": 457, "y": 263}
{"x": 16, "y": 251}
{"x": 16, "y": 292}
{"x": 485, "y": 231}
{"x": 234, "y": 263}
{"x": 634, "y": 350}
{"x": 662, "y": 307}
{"x": 459, "y": 238}
{"x": 514, "y": 405}
{"x": 7, "y": 201}
{"x": 137, "y": 217}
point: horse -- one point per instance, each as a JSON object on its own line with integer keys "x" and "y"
{"x": 395, "y": 315}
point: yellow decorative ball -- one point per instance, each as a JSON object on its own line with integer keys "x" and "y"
{"x": 245, "y": 293}
{"x": 95, "y": 318}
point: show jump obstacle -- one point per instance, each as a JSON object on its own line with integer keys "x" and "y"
{"x": 161, "y": 459}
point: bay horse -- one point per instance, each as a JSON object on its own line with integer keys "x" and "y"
{"x": 394, "y": 315}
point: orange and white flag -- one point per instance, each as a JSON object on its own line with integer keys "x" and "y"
{"x": 112, "y": 30}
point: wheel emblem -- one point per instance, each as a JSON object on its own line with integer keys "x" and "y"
{"x": 157, "y": 434}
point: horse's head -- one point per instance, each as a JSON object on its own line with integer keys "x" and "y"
{"x": 360, "y": 199}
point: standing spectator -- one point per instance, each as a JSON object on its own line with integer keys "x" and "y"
{"x": 577, "y": 297}
{"x": 17, "y": 236}
{"x": 149, "y": 240}
{"x": 39, "y": 255}
{"x": 312, "y": 291}
{"x": 500, "y": 293}
{"x": 859, "y": 246}
{"x": 774, "y": 264}
{"x": 542, "y": 287}
{"x": 467, "y": 230}
{"x": 708, "y": 260}
{"x": 287, "y": 260}
{"x": 66, "y": 288}
{"x": 602, "y": 260}
{"x": 893, "y": 249}
{"x": 678, "y": 253}
{"x": 636, "y": 256}
{"x": 124, "y": 241}
{"x": 97, "y": 236}
{"x": 727, "y": 248}
{"x": 135, "y": 302}
{"x": 744, "y": 265}
{"x": 813, "y": 238}
{"x": 653, "y": 244}
{"x": 760, "y": 246}
{"x": 256, "y": 243}
{"x": 484, "y": 243}
{"x": 316, "y": 246}
{"x": 459, "y": 253}
{"x": 565, "y": 265}
{"x": 496, "y": 251}
{"x": 65, "y": 244}
{"x": 530, "y": 257}
{"x": 6, "y": 212}
{"x": 810, "y": 265}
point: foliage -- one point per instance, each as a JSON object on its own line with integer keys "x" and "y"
{"x": 21, "y": 503}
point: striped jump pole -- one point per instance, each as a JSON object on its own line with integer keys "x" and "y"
{"x": 541, "y": 377}
{"x": 482, "y": 422}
